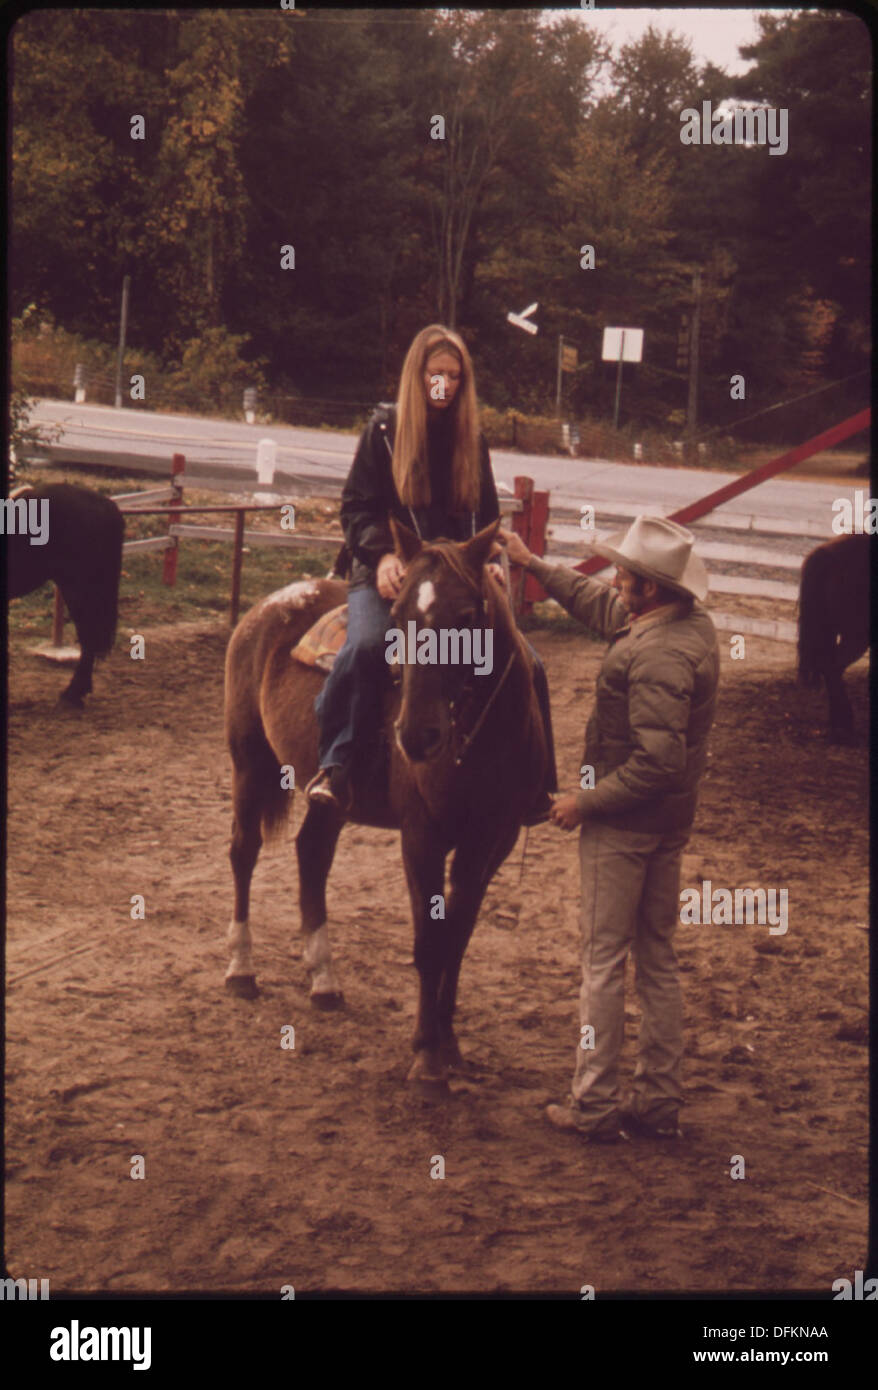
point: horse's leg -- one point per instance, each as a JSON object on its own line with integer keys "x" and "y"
{"x": 80, "y": 683}
{"x": 425, "y": 873}
{"x": 471, "y": 872}
{"x": 841, "y": 714}
{"x": 243, "y": 852}
{"x": 315, "y": 848}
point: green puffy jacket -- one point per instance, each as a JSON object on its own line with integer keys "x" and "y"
{"x": 654, "y": 704}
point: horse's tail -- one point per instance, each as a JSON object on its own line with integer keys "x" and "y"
{"x": 817, "y": 632}
{"x": 101, "y": 613}
{"x": 275, "y": 800}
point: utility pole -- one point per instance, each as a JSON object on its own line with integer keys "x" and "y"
{"x": 558, "y": 382}
{"x": 123, "y": 330}
{"x": 692, "y": 406}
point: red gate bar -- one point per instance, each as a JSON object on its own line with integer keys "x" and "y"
{"x": 694, "y": 510}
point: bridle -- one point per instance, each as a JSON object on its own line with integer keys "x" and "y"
{"x": 467, "y": 689}
{"x": 453, "y": 705}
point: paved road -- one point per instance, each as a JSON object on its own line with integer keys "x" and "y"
{"x": 312, "y": 461}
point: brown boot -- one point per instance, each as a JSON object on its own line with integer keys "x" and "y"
{"x": 331, "y": 787}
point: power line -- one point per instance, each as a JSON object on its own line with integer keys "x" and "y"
{"x": 715, "y": 429}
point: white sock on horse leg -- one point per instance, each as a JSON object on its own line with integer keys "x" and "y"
{"x": 240, "y": 942}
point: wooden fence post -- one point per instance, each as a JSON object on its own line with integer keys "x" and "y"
{"x": 237, "y": 560}
{"x": 169, "y": 570}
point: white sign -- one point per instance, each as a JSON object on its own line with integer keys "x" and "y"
{"x": 629, "y": 347}
{"x": 522, "y": 320}
{"x": 266, "y": 460}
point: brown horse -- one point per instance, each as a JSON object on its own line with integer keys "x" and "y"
{"x": 834, "y": 622}
{"x": 464, "y": 751}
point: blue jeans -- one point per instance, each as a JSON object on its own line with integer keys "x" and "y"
{"x": 348, "y": 706}
{"x": 349, "y": 703}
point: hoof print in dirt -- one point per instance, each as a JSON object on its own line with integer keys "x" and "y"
{"x": 327, "y": 1001}
{"x": 854, "y": 1033}
{"x": 243, "y": 986}
{"x": 768, "y": 948}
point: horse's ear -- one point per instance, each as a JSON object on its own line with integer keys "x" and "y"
{"x": 476, "y": 551}
{"x": 405, "y": 541}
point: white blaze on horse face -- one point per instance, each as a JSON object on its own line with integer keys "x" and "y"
{"x": 296, "y": 595}
{"x": 426, "y": 597}
{"x": 318, "y": 960}
{"x": 240, "y": 941}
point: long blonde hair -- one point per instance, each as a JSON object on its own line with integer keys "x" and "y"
{"x": 411, "y": 473}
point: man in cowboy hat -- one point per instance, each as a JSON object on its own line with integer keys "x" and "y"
{"x": 646, "y": 745}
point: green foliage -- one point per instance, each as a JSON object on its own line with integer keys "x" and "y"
{"x": 313, "y": 130}
{"x": 211, "y": 372}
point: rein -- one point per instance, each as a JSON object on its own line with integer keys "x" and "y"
{"x": 469, "y": 738}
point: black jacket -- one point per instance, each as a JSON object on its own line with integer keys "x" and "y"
{"x": 369, "y": 497}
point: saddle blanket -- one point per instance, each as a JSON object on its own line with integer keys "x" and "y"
{"x": 321, "y": 644}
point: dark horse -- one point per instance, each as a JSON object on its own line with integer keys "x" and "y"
{"x": 834, "y": 622}
{"x": 464, "y": 753}
{"x": 82, "y": 553}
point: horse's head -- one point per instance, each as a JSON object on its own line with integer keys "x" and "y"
{"x": 443, "y": 641}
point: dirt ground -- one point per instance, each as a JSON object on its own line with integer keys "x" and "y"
{"x": 312, "y": 1167}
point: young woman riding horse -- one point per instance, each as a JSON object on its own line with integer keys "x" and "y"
{"x": 424, "y": 462}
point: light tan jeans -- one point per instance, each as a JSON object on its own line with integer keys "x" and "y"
{"x": 630, "y": 901}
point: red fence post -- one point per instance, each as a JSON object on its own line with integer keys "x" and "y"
{"x": 530, "y": 524}
{"x": 169, "y": 571}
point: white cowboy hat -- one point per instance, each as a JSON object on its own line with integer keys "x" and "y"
{"x": 658, "y": 549}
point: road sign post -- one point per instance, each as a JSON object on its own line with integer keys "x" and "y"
{"x": 621, "y": 345}
{"x": 123, "y": 333}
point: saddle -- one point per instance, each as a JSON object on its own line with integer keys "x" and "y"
{"x": 320, "y": 645}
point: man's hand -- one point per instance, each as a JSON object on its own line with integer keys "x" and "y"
{"x": 389, "y": 575}
{"x": 565, "y": 812}
{"x": 515, "y": 547}
{"x": 497, "y": 571}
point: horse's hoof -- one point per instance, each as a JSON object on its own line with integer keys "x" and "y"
{"x": 242, "y": 986}
{"x": 65, "y": 705}
{"x": 429, "y": 1088}
{"x": 327, "y": 1001}
{"x": 451, "y": 1058}
{"x": 428, "y": 1077}
{"x": 461, "y": 1066}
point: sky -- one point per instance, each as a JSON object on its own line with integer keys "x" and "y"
{"x": 715, "y": 35}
